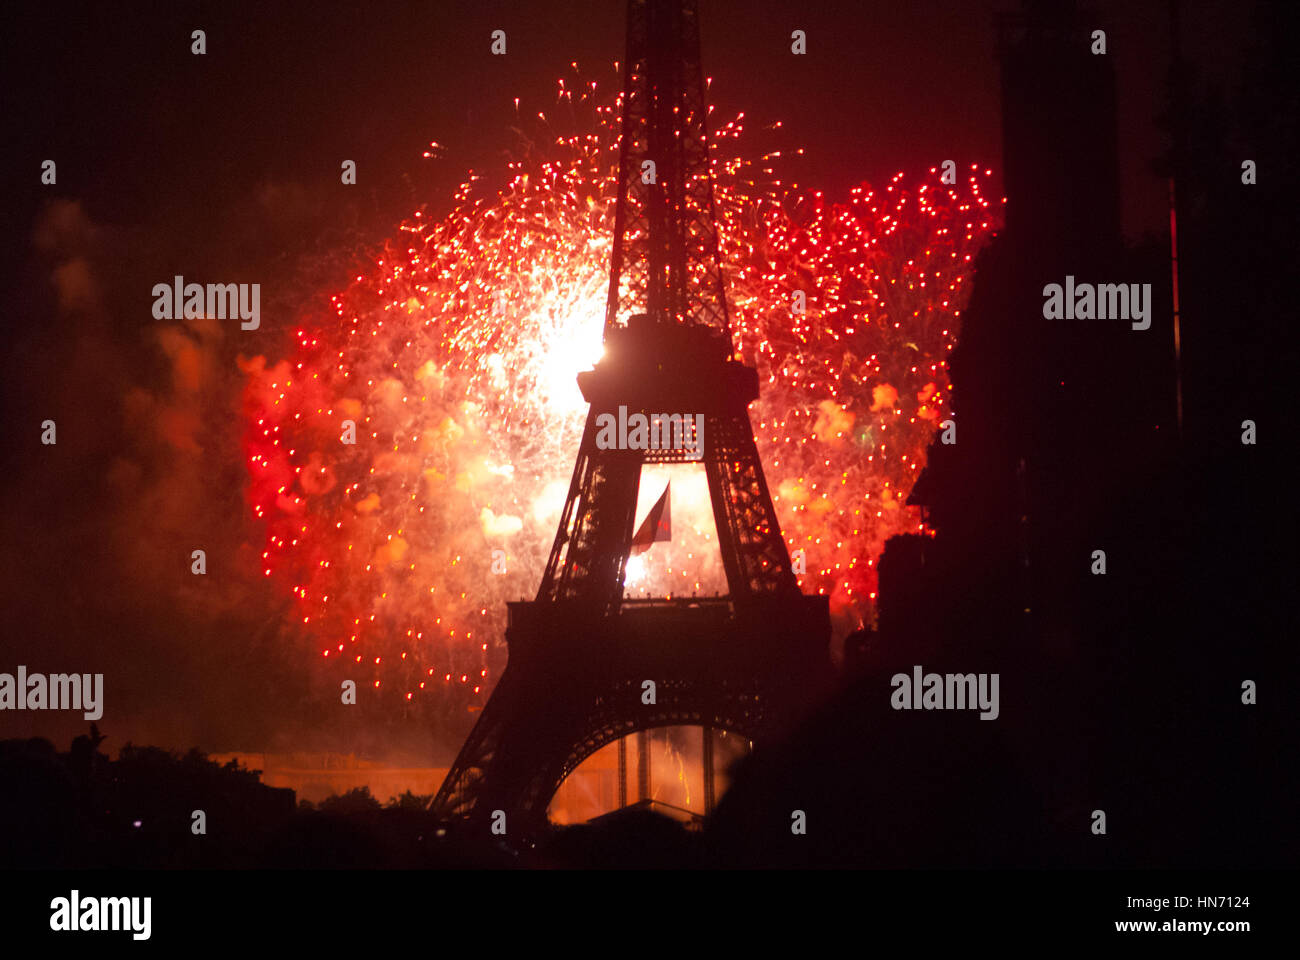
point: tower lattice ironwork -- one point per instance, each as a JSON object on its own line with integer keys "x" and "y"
{"x": 580, "y": 654}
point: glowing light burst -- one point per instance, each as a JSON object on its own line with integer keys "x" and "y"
{"x": 455, "y": 359}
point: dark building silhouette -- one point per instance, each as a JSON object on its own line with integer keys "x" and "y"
{"x": 1055, "y": 417}
{"x": 1058, "y": 128}
{"x": 1121, "y": 692}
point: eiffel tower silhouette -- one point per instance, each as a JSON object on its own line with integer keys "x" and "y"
{"x": 581, "y": 655}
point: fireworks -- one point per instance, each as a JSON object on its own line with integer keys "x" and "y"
{"x": 858, "y": 383}
{"x": 455, "y": 358}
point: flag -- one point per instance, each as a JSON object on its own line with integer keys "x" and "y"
{"x": 656, "y": 526}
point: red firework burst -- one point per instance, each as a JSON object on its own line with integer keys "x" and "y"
{"x": 452, "y": 364}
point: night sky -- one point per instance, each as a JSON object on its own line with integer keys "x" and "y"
{"x": 227, "y": 165}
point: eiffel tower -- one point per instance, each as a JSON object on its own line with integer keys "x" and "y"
{"x": 580, "y": 654}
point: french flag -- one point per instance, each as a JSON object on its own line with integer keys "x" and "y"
{"x": 656, "y": 526}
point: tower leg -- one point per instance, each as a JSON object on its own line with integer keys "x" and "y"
{"x": 643, "y": 765}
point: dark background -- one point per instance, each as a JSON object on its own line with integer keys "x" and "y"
{"x": 228, "y": 165}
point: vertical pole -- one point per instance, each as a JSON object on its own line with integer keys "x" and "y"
{"x": 1177, "y": 84}
{"x": 643, "y": 765}
{"x": 708, "y": 770}
{"x": 622, "y": 772}
{"x": 1178, "y": 338}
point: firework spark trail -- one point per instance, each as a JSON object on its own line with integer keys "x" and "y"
{"x": 857, "y": 385}
{"x": 456, "y": 357}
